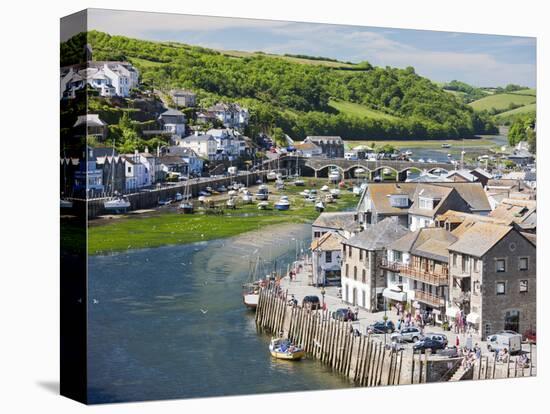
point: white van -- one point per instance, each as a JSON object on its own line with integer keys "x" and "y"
{"x": 506, "y": 339}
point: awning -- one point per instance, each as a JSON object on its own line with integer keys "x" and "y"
{"x": 452, "y": 311}
{"x": 394, "y": 295}
{"x": 473, "y": 318}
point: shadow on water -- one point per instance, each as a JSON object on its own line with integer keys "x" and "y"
{"x": 170, "y": 323}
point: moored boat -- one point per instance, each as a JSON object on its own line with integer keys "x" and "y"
{"x": 186, "y": 207}
{"x": 282, "y": 204}
{"x": 335, "y": 193}
{"x": 319, "y": 206}
{"x": 262, "y": 193}
{"x": 263, "y": 205}
{"x": 117, "y": 204}
{"x": 284, "y": 349}
{"x": 271, "y": 176}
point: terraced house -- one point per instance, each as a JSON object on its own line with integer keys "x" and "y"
{"x": 417, "y": 204}
{"x": 417, "y": 271}
{"x": 363, "y": 280}
{"x": 492, "y": 277}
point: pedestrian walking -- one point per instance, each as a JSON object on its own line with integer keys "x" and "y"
{"x": 457, "y": 343}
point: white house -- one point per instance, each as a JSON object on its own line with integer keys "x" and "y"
{"x": 230, "y": 115}
{"x": 204, "y": 145}
{"x": 326, "y": 255}
{"x": 308, "y": 149}
{"x": 110, "y": 78}
{"x": 192, "y": 159}
{"x": 137, "y": 172}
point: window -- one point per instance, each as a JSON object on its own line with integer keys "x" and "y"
{"x": 360, "y": 254}
{"x": 397, "y": 256}
{"x": 511, "y": 321}
{"x": 501, "y": 265}
{"x": 364, "y": 276}
{"x": 354, "y": 272}
{"x": 344, "y": 249}
{"x": 347, "y": 270}
{"x": 328, "y": 257}
{"x": 349, "y": 251}
{"x": 523, "y": 286}
{"x": 415, "y": 284}
{"x": 523, "y": 263}
{"x": 454, "y": 259}
{"x": 129, "y": 169}
{"x": 476, "y": 265}
{"x": 318, "y": 234}
{"x": 501, "y": 288}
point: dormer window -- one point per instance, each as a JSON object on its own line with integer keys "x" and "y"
{"x": 399, "y": 200}
{"x": 427, "y": 203}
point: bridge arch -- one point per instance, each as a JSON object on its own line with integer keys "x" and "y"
{"x": 438, "y": 169}
{"x": 324, "y": 169}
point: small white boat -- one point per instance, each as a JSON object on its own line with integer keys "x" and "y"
{"x": 263, "y": 205}
{"x": 319, "y": 206}
{"x": 299, "y": 182}
{"x": 445, "y": 145}
{"x": 178, "y": 197}
{"x": 117, "y": 204}
{"x": 247, "y": 197}
{"x": 304, "y": 193}
{"x": 335, "y": 193}
{"x": 325, "y": 188}
{"x": 421, "y": 160}
{"x": 357, "y": 190}
{"x": 271, "y": 176}
{"x": 282, "y": 204}
{"x": 329, "y": 199}
{"x": 231, "y": 203}
{"x": 408, "y": 153}
{"x": 186, "y": 207}
{"x": 232, "y": 193}
{"x": 334, "y": 176}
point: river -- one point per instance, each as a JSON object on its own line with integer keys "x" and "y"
{"x": 148, "y": 338}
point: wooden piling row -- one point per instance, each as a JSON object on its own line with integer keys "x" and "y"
{"x": 362, "y": 359}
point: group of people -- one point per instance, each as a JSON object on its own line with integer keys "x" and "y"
{"x": 470, "y": 355}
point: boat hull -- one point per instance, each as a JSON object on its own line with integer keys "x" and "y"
{"x": 288, "y": 356}
{"x": 282, "y": 207}
{"x": 251, "y": 300}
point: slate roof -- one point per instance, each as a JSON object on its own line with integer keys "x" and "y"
{"x": 172, "y": 112}
{"x": 464, "y": 174}
{"x": 379, "y": 235}
{"x": 518, "y": 211}
{"x": 89, "y": 120}
{"x": 335, "y": 220}
{"x": 476, "y": 239}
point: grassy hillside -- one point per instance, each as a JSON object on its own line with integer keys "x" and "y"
{"x": 325, "y": 96}
{"x": 508, "y": 116}
{"x": 502, "y": 101}
{"x": 532, "y": 92}
{"x": 359, "y": 110}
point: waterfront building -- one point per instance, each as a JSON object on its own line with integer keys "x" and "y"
{"x": 113, "y": 167}
{"x": 363, "y": 280}
{"x": 172, "y": 166}
{"x": 416, "y": 204}
{"x": 326, "y": 254}
{"x": 492, "y": 278}
{"x": 88, "y": 179}
{"x": 331, "y": 146}
{"x": 343, "y": 223}
{"x": 137, "y": 173}
{"x": 417, "y": 273}
{"x": 308, "y": 149}
{"x": 521, "y": 212}
{"x": 194, "y": 162}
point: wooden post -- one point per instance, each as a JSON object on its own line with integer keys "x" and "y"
{"x": 399, "y": 370}
{"x": 486, "y": 367}
{"x": 508, "y": 366}
{"x": 494, "y": 366}
{"x": 531, "y": 359}
{"x": 412, "y": 368}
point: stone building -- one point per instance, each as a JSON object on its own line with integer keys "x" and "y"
{"x": 326, "y": 253}
{"x": 492, "y": 278}
{"x": 331, "y": 146}
{"x": 363, "y": 280}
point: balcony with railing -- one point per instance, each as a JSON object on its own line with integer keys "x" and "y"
{"x": 429, "y": 298}
{"x": 432, "y": 277}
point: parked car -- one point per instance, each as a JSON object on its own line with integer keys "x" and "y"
{"x": 506, "y": 339}
{"x": 437, "y": 337}
{"x": 311, "y": 302}
{"x": 428, "y": 343}
{"x": 410, "y": 334}
{"x": 450, "y": 352}
{"x": 381, "y": 327}
{"x": 343, "y": 314}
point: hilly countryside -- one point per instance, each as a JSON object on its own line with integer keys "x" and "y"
{"x": 303, "y": 95}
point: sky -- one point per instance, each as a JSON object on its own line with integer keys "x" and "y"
{"x": 478, "y": 59}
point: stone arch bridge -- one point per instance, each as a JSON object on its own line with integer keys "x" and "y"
{"x": 320, "y": 167}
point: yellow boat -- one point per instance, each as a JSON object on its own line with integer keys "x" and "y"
{"x": 284, "y": 349}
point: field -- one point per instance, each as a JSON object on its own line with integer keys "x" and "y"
{"x": 532, "y": 92}
{"x": 359, "y": 110}
{"x": 170, "y": 227}
{"x": 329, "y": 63}
{"x": 435, "y": 144}
{"x": 531, "y": 108}
{"x": 502, "y": 101}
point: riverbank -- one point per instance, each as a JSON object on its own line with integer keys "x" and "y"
{"x": 481, "y": 142}
{"x": 162, "y": 227}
